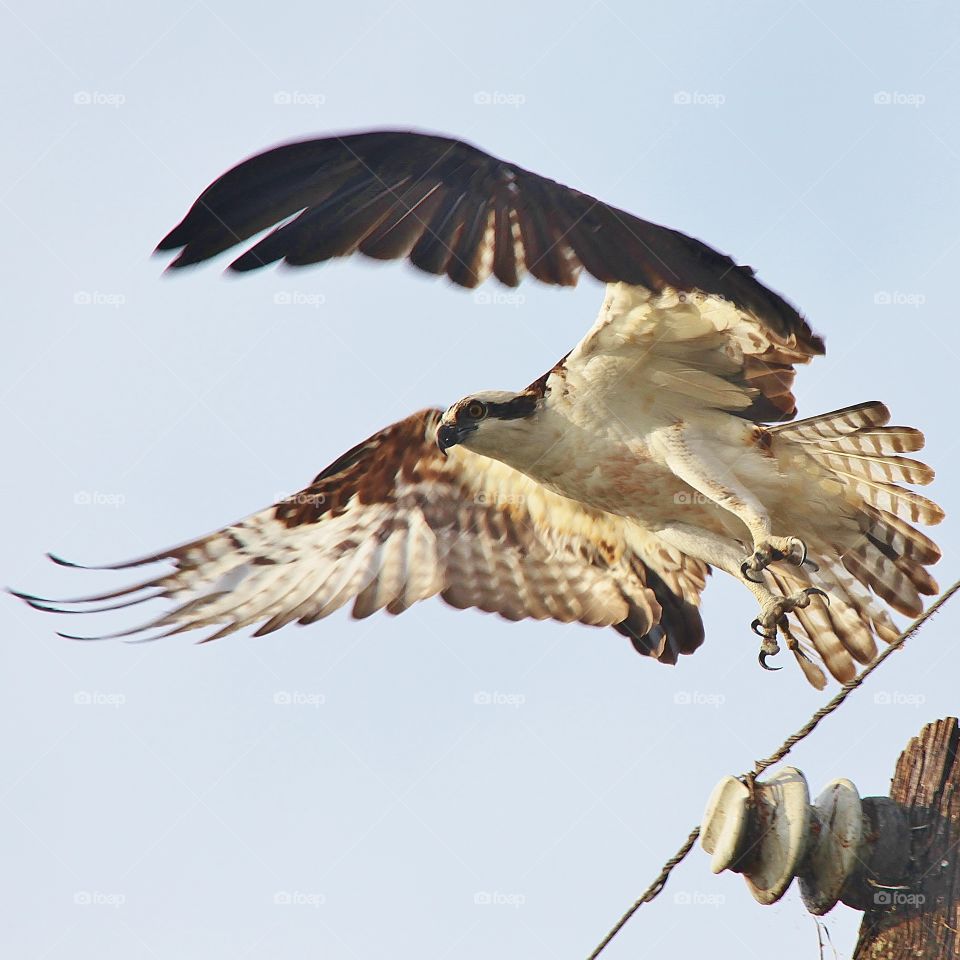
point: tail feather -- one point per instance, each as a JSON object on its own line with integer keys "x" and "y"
{"x": 869, "y": 466}
{"x": 889, "y": 498}
{"x": 858, "y": 429}
{"x": 839, "y": 423}
{"x": 881, "y": 441}
{"x": 900, "y": 537}
{"x": 838, "y": 633}
{"x": 862, "y": 538}
{"x": 884, "y": 578}
{"x": 841, "y": 633}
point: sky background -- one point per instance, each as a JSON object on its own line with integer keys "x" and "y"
{"x": 443, "y": 784}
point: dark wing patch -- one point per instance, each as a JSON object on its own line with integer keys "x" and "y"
{"x": 679, "y": 630}
{"x": 451, "y": 209}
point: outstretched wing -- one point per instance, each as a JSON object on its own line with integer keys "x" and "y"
{"x": 451, "y": 209}
{"x": 392, "y": 522}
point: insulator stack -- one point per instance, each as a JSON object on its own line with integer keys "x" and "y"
{"x": 841, "y": 847}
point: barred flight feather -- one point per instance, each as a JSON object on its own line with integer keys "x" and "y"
{"x": 392, "y": 522}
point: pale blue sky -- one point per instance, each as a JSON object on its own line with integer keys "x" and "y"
{"x": 163, "y": 800}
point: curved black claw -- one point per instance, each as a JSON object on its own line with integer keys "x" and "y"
{"x": 803, "y": 556}
{"x": 757, "y": 627}
{"x": 769, "y": 648}
{"x": 817, "y": 592}
{"x": 762, "y": 658}
{"x": 746, "y": 571}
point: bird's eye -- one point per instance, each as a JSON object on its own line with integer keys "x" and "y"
{"x": 476, "y": 409}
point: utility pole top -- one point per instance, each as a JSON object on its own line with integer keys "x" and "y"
{"x": 922, "y": 920}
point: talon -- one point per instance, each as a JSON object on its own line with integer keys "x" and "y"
{"x": 762, "y": 659}
{"x": 766, "y": 633}
{"x": 817, "y": 592}
{"x": 747, "y": 571}
{"x": 803, "y": 555}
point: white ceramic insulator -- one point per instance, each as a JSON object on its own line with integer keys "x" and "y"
{"x": 776, "y": 834}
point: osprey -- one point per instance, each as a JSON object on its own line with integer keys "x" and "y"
{"x": 660, "y": 447}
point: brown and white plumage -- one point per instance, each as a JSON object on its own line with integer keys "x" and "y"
{"x": 394, "y": 521}
{"x": 867, "y": 550}
{"x": 658, "y": 365}
{"x": 658, "y": 448}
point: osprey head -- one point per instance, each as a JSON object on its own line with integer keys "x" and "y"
{"x": 484, "y": 422}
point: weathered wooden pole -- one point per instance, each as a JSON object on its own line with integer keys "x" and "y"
{"x": 919, "y": 919}
{"x": 896, "y": 858}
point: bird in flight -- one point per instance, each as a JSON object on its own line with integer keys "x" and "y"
{"x": 662, "y": 445}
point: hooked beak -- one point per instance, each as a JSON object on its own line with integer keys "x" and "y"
{"x": 450, "y": 434}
